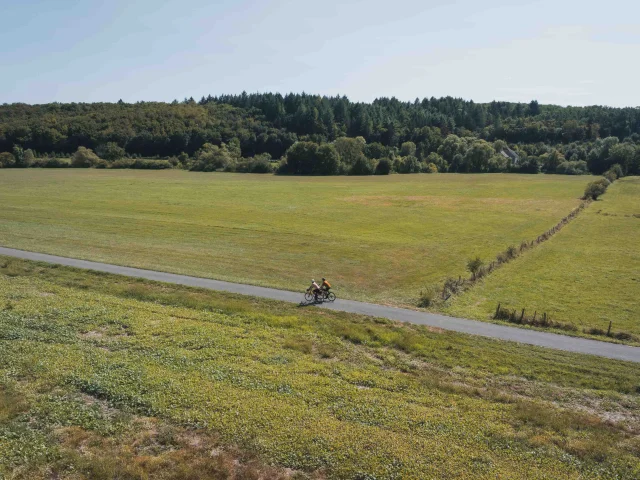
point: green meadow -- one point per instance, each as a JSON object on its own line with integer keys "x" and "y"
{"x": 108, "y": 377}
{"x": 380, "y": 239}
{"x": 588, "y": 274}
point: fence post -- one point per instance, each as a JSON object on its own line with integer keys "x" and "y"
{"x": 497, "y": 311}
{"x": 609, "y": 329}
{"x": 534, "y": 315}
{"x": 522, "y": 315}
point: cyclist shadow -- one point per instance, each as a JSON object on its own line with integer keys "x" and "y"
{"x": 310, "y": 303}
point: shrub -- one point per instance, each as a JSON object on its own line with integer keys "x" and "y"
{"x": 474, "y": 265}
{"x": 101, "y": 163}
{"x": 211, "y": 158}
{"x": 578, "y": 167}
{"x": 529, "y": 164}
{"x": 609, "y": 175}
{"x": 383, "y": 167}
{"x": 327, "y": 161}
{"x": 110, "y": 151}
{"x": 617, "y": 169}
{"x": 28, "y": 158}
{"x": 362, "y": 166}
{"x": 7, "y": 160}
{"x": 429, "y": 168}
{"x": 258, "y": 164}
{"x": 438, "y": 161}
{"x": 613, "y": 173}
{"x": 427, "y": 297}
{"x": 84, "y": 158}
{"x": 141, "y": 164}
{"x": 51, "y": 162}
{"x": 596, "y": 188}
{"x": 410, "y": 165}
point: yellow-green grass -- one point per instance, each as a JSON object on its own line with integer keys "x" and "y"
{"x": 381, "y": 239}
{"x": 91, "y": 363}
{"x": 588, "y": 274}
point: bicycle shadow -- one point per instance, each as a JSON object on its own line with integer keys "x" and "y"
{"x": 310, "y": 303}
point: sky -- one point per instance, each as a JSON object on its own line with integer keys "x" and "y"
{"x": 565, "y": 52}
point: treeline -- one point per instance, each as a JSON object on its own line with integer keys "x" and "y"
{"x": 310, "y": 134}
{"x": 391, "y": 122}
{"x": 143, "y": 129}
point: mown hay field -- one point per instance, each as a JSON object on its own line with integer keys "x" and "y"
{"x": 588, "y": 274}
{"x": 110, "y": 377}
{"x": 377, "y": 239}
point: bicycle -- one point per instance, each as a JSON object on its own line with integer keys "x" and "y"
{"x": 323, "y": 295}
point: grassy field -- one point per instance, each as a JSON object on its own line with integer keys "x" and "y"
{"x": 109, "y": 377}
{"x": 378, "y": 239}
{"x": 588, "y": 274}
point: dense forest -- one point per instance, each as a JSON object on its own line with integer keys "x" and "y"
{"x": 311, "y": 134}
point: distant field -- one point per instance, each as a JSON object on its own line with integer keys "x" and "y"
{"x": 376, "y": 238}
{"x": 587, "y": 274}
{"x": 107, "y": 377}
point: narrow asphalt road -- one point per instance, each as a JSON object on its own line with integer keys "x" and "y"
{"x": 472, "y": 327}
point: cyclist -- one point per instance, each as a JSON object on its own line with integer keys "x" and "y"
{"x": 326, "y": 286}
{"x": 316, "y": 289}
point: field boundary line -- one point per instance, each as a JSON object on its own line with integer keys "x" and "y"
{"x": 454, "y": 287}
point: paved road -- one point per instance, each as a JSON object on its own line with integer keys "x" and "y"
{"x": 502, "y": 332}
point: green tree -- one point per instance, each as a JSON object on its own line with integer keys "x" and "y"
{"x": 301, "y": 158}
{"x": 28, "y": 158}
{"x": 375, "y": 150}
{"x": 351, "y": 150}
{"x": 498, "y": 163}
{"x": 551, "y": 160}
{"x": 477, "y": 157}
{"x": 18, "y": 155}
{"x": 363, "y": 166}
{"x": 211, "y": 158}
{"x": 408, "y": 149}
{"x": 438, "y": 161}
{"x": 234, "y": 149}
{"x": 410, "y": 164}
{"x": 327, "y": 160}
{"x": 500, "y": 145}
{"x": 474, "y": 265}
{"x": 596, "y": 188}
{"x": 7, "y": 160}
{"x": 623, "y": 155}
{"x": 84, "y": 158}
{"x": 110, "y": 151}
{"x": 384, "y": 167}
{"x": 452, "y": 146}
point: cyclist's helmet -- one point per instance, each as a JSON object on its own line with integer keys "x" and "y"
{"x": 323, "y": 279}
{"x": 313, "y": 281}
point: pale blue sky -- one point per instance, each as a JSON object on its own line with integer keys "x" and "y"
{"x": 557, "y": 51}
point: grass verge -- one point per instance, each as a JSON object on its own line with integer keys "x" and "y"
{"x": 94, "y": 359}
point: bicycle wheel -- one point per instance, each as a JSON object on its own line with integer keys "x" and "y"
{"x": 331, "y": 296}
{"x": 308, "y": 296}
